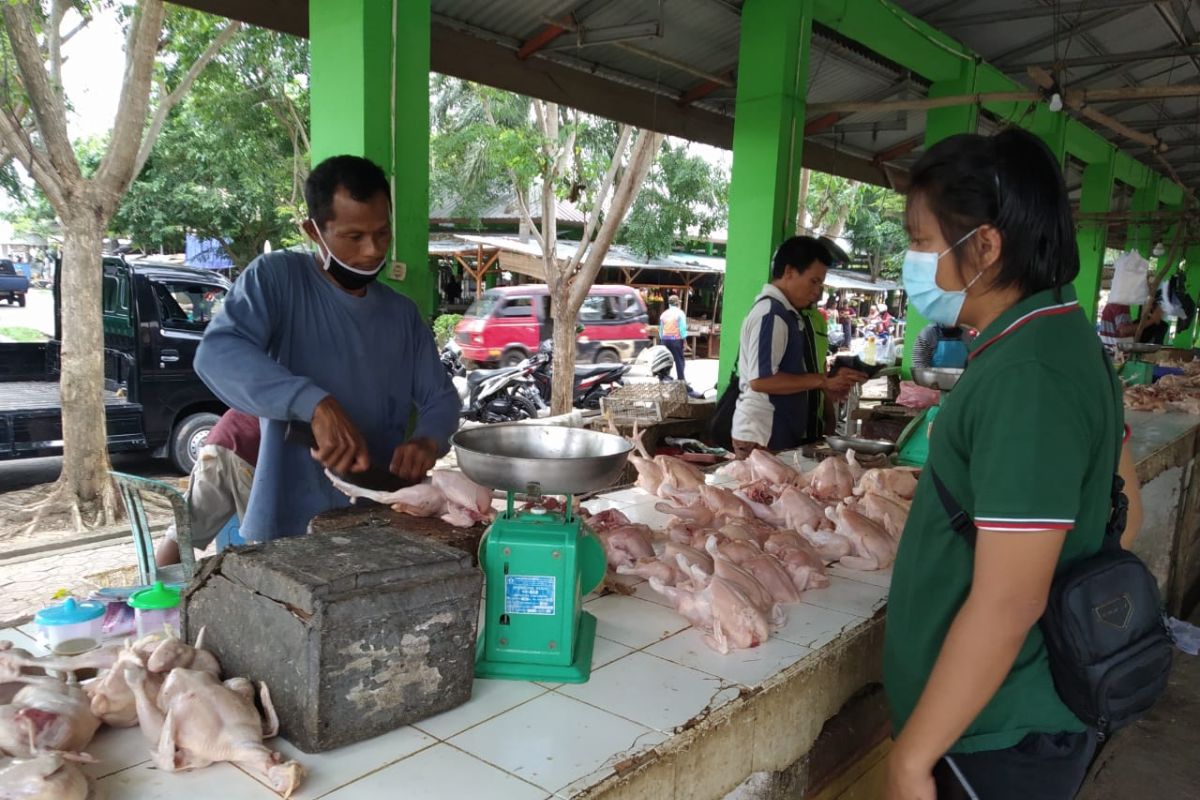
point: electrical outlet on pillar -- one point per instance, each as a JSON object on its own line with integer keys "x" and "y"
{"x": 399, "y": 270}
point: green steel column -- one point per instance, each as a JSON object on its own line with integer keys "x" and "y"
{"x": 1140, "y": 234}
{"x": 1051, "y": 128}
{"x": 1095, "y": 197}
{"x": 768, "y": 133}
{"x": 410, "y": 175}
{"x": 1187, "y": 338}
{"x": 364, "y": 64}
{"x": 941, "y": 123}
{"x": 350, "y": 86}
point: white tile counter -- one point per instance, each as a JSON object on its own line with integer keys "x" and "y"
{"x": 663, "y": 716}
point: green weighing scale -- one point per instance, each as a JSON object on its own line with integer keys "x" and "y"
{"x": 540, "y": 562}
{"x": 913, "y": 444}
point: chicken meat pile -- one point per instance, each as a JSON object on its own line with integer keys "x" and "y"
{"x": 732, "y": 557}
{"x": 171, "y": 689}
{"x": 448, "y": 495}
{"x": 1168, "y": 393}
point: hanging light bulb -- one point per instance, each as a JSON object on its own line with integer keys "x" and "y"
{"x": 1158, "y": 250}
{"x": 1056, "y": 102}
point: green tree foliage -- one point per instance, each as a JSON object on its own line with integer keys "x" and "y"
{"x": 876, "y": 229}
{"x": 682, "y": 193}
{"x": 233, "y": 155}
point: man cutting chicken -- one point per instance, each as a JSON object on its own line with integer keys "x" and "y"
{"x": 313, "y": 338}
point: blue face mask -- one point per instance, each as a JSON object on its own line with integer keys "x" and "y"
{"x": 920, "y": 283}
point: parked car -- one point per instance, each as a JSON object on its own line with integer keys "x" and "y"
{"x": 154, "y": 316}
{"x": 13, "y": 284}
{"x": 506, "y": 325}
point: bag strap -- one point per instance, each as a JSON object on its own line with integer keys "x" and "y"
{"x": 962, "y": 524}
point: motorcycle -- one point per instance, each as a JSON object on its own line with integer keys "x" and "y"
{"x": 508, "y": 394}
{"x": 451, "y": 356}
{"x": 592, "y": 382}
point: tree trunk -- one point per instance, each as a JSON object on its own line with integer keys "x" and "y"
{"x": 85, "y": 445}
{"x": 802, "y": 202}
{"x": 562, "y": 388}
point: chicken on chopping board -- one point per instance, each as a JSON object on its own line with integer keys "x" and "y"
{"x": 448, "y": 494}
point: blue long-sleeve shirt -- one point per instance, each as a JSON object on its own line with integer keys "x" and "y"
{"x": 287, "y": 338}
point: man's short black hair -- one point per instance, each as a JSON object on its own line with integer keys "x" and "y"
{"x": 799, "y": 252}
{"x": 359, "y": 176}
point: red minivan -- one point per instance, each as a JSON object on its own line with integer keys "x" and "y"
{"x": 505, "y": 325}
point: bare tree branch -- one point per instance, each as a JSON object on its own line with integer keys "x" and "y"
{"x": 645, "y": 149}
{"x": 17, "y": 141}
{"x": 594, "y": 215}
{"x": 116, "y": 169}
{"x": 69, "y": 35}
{"x": 49, "y": 112}
{"x": 185, "y": 83}
{"x": 58, "y": 10}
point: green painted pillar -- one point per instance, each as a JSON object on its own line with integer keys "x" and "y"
{"x": 1051, "y": 128}
{"x": 768, "y": 133}
{"x": 942, "y": 123}
{"x": 1140, "y": 235}
{"x": 1095, "y": 197}
{"x": 410, "y": 164}
{"x": 1187, "y": 338}
{"x": 353, "y": 89}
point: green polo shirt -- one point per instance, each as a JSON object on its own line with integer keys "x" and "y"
{"x": 1027, "y": 440}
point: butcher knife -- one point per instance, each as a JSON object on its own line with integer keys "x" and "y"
{"x": 373, "y": 477}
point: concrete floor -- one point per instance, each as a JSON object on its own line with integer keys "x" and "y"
{"x": 1158, "y": 756}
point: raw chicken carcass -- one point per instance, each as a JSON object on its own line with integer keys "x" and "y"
{"x": 720, "y": 609}
{"x": 888, "y": 510}
{"x": 760, "y": 496}
{"x": 464, "y": 497}
{"x": 725, "y": 503}
{"x": 692, "y": 556}
{"x": 764, "y": 466}
{"x": 198, "y": 721}
{"x": 805, "y": 567}
{"x": 419, "y": 500}
{"x": 650, "y": 473}
{"x": 736, "y": 550}
{"x": 662, "y": 569}
{"x": 831, "y": 545}
{"x": 873, "y": 547}
{"x": 624, "y": 545}
{"x": 831, "y": 480}
{"x": 112, "y": 700}
{"x": 770, "y": 572}
{"x": 737, "y": 471}
{"x": 758, "y": 594}
{"x": 746, "y": 530}
{"x": 799, "y": 509}
{"x": 609, "y": 518}
{"x": 47, "y": 715}
{"x": 896, "y": 481}
{"x": 685, "y": 531}
{"x": 45, "y": 776}
{"x": 856, "y": 469}
{"x": 695, "y": 513}
{"x": 679, "y": 474}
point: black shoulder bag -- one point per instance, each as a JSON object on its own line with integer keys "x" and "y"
{"x": 1104, "y": 625}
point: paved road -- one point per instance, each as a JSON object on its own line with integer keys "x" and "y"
{"x": 22, "y": 474}
{"x": 38, "y": 312}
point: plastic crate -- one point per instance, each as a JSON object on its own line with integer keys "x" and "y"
{"x": 644, "y": 402}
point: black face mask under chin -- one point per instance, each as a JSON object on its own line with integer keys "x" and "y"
{"x": 349, "y": 278}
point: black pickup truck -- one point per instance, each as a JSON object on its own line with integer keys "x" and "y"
{"x": 154, "y": 316}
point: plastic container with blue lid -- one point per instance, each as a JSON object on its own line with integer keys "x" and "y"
{"x": 60, "y": 627}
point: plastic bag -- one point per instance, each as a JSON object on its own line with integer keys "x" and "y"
{"x": 1129, "y": 283}
{"x": 913, "y": 396}
{"x": 1186, "y": 636}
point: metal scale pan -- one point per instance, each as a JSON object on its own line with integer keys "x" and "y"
{"x": 557, "y": 460}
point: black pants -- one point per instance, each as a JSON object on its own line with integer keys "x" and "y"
{"x": 1042, "y": 766}
{"x": 676, "y": 348}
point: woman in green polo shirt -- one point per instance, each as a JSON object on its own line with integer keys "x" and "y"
{"x": 1025, "y": 444}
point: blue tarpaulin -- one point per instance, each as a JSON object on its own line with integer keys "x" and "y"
{"x": 205, "y": 253}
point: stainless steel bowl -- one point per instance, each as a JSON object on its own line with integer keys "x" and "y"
{"x": 940, "y": 378}
{"x": 865, "y": 446}
{"x": 559, "y": 460}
